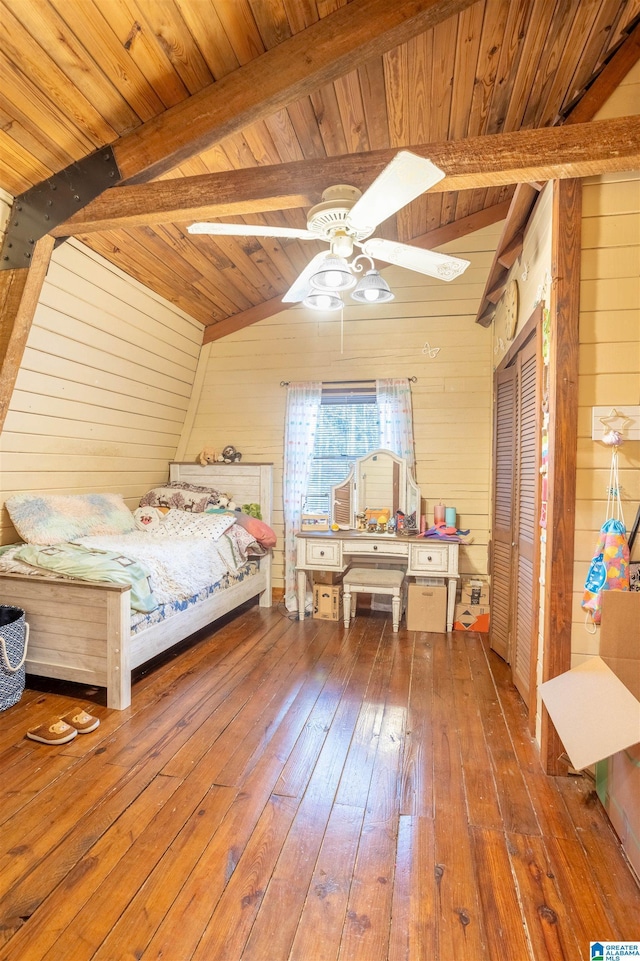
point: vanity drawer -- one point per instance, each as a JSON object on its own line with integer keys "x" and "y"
{"x": 428, "y": 558}
{"x": 323, "y": 553}
{"x": 390, "y": 548}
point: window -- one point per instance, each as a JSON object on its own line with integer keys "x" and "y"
{"x": 348, "y": 428}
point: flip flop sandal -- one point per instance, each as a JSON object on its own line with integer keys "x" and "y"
{"x": 81, "y": 720}
{"x": 55, "y": 732}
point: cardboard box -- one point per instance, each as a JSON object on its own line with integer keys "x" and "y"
{"x": 595, "y": 707}
{"x": 327, "y": 577}
{"x": 471, "y": 617}
{"x": 620, "y": 638}
{"x": 618, "y": 785}
{"x": 474, "y": 591}
{"x": 427, "y": 608}
{"x": 327, "y": 602}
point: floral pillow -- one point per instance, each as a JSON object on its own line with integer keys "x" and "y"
{"x": 181, "y": 496}
{"x": 56, "y": 518}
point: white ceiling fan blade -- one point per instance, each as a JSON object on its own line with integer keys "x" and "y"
{"x": 442, "y": 266}
{"x": 250, "y": 230}
{"x": 301, "y": 287}
{"x": 402, "y": 180}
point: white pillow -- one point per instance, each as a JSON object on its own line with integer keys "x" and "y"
{"x": 184, "y": 524}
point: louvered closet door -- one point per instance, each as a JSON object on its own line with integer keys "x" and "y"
{"x": 514, "y": 559}
{"x": 503, "y": 509}
{"x": 525, "y": 594}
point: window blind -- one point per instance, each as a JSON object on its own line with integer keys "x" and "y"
{"x": 348, "y": 428}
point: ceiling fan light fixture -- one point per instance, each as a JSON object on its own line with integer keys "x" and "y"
{"x": 341, "y": 244}
{"x": 372, "y": 289}
{"x": 321, "y": 300}
{"x": 334, "y": 274}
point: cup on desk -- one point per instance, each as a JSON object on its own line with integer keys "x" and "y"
{"x": 450, "y": 516}
{"x": 438, "y": 513}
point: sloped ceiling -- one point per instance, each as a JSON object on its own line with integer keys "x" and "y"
{"x": 250, "y": 108}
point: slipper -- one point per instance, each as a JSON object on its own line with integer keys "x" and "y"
{"x": 54, "y": 732}
{"x": 81, "y": 721}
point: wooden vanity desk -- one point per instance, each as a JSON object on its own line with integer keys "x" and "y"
{"x": 336, "y": 551}
{"x": 376, "y": 481}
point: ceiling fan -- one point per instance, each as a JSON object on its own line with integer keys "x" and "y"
{"x": 345, "y": 219}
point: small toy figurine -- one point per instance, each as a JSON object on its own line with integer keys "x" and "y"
{"x": 230, "y": 455}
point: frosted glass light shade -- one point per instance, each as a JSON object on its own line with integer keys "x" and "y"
{"x": 321, "y": 300}
{"x": 372, "y": 289}
{"x": 334, "y": 274}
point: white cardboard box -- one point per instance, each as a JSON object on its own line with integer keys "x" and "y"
{"x": 595, "y": 707}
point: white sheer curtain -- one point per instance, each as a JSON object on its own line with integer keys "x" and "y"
{"x": 396, "y": 418}
{"x": 303, "y": 404}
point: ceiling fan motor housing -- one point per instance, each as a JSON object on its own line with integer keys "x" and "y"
{"x": 330, "y": 216}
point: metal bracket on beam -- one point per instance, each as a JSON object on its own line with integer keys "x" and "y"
{"x": 39, "y": 209}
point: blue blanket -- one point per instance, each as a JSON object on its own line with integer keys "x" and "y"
{"x": 92, "y": 564}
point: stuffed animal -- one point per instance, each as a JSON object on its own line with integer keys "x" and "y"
{"x": 208, "y": 456}
{"x": 230, "y": 455}
{"x": 148, "y": 518}
{"x": 224, "y": 503}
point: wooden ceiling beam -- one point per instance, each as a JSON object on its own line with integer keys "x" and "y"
{"x": 327, "y": 50}
{"x": 498, "y": 289}
{"x": 551, "y": 153}
{"x": 610, "y": 77}
{"x": 19, "y": 294}
{"x": 512, "y": 235}
{"x": 512, "y": 251}
{"x": 269, "y": 308}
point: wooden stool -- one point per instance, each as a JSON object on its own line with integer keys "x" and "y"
{"x": 367, "y": 580}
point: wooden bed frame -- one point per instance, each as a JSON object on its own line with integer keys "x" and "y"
{"x": 80, "y": 631}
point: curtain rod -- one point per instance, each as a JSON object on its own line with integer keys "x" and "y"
{"x": 369, "y": 380}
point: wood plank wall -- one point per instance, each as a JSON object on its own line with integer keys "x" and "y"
{"x": 609, "y": 367}
{"x": 609, "y": 351}
{"x": 242, "y": 403}
{"x": 104, "y": 386}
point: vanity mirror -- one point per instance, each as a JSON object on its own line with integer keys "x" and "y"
{"x": 380, "y": 481}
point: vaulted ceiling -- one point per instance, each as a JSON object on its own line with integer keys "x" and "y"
{"x": 249, "y": 108}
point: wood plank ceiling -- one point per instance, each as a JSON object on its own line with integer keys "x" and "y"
{"x": 76, "y": 75}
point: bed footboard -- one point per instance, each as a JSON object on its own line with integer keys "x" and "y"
{"x": 78, "y": 631}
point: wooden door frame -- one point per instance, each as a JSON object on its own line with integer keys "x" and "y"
{"x": 564, "y": 307}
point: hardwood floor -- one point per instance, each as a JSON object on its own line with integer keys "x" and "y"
{"x": 296, "y": 791}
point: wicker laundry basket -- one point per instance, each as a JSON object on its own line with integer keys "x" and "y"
{"x": 14, "y": 638}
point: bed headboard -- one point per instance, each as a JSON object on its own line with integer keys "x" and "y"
{"x": 244, "y": 483}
